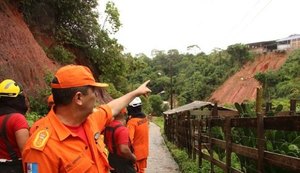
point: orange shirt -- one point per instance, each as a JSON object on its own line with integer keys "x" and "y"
{"x": 54, "y": 148}
{"x": 139, "y": 136}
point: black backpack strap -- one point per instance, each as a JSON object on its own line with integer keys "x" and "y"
{"x": 113, "y": 129}
{"x": 130, "y": 145}
{"x": 11, "y": 152}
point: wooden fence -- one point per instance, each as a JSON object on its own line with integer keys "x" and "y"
{"x": 193, "y": 130}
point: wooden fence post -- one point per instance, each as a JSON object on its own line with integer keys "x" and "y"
{"x": 292, "y": 107}
{"x": 193, "y": 140}
{"x": 228, "y": 144}
{"x": 199, "y": 143}
{"x": 210, "y": 151}
{"x": 260, "y": 132}
{"x": 188, "y": 134}
{"x": 176, "y": 130}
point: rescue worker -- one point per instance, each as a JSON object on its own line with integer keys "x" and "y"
{"x": 68, "y": 138}
{"x": 13, "y": 126}
{"x": 117, "y": 141}
{"x": 138, "y": 126}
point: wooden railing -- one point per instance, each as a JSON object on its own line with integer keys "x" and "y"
{"x": 192, "y": 130}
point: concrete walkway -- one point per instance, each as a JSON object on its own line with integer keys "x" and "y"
{"x": 160, "y": 160}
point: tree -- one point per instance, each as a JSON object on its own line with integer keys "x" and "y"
{"x": 239, "y": 53}
{"x": 156, "y": 104}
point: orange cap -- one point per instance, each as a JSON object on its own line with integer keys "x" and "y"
{"x": 75, "y": 76}
{"x": 50, "y": 100}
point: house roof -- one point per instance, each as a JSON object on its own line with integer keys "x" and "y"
{"x": 291, "y": 37}
{"x": 191, "y": 106}
{"x": 261, "y": 43}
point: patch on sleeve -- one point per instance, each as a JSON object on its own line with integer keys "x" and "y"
{"x": 32, "y": 167}
{"x": 40, "y": 139}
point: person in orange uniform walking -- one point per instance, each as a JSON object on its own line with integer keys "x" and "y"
{"x": 68, "y": 138}
{"x": 138, "y": 126}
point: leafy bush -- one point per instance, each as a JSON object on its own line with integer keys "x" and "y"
{"x": 160, "y": 122}
{"x": 186, "y": 165}
{"x": 284, "y": 83}
{"x": 60, "y": 54}
{"x": 32, "y": 117}
{"x": 38, "y": 104}
{"x": 156, "y": 104}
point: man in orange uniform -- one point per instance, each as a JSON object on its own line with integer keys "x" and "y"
{"x": 138, "y": 126}
{"x": 68, "y": 138}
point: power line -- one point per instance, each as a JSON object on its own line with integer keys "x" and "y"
{"x": 245, "y": 16}
{"x": 259, "y": 12}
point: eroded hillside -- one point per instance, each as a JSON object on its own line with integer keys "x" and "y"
{"x": 21, "y": 57}
{"x": 242, "y": 85}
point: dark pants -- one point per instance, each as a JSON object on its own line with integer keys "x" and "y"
{"x": 11, "y": 167}
{"x": 120, "y": 164}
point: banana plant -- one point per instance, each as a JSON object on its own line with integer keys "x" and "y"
{"x": 245, "y": 136}
{"x": 272, "y": 112}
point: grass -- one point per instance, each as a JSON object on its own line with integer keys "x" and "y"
{"x": 185, "y": 164}
{"x": 158, "y": 121}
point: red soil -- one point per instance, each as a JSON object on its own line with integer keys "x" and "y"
{"x": 242, "y": 86}
{"x": 21, "y": 57}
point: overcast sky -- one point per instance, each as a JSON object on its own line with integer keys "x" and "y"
{"x": 177, "y": 24}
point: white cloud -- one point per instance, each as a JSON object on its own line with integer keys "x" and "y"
{"x": 176, "y": 24}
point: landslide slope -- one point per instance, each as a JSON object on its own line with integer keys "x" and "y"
{"x": 242, "y": 85}
{"x": 21, "y": 57}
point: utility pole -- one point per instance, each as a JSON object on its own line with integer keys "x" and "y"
{"x": 171, "y": 85}
{"x": 171, "y": 92}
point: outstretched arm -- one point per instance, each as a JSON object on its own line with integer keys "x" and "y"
{"x": 117, "y": 104}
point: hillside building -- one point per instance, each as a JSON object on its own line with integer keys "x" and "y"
{"x": 289, "y": 43}
{"x": 285, "y": 44}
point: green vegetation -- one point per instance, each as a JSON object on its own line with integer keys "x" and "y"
{"x": 159, "y": 121}
{"x": 60, "y": 54}
{"x": 38, "y": 104}
{"x": 77, "y": 36}
{"x": 32, "y": 117}
{"x": 75, "y": 31}
{"x": 281, "y": 142}
{"x": 284, "y": 83}
{"x": 203, "y": 75}
{"x": 73, "y": 28}
{"x": 186, "y": 165}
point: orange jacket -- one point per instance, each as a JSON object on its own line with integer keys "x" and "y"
{"x": 139, "y": 136}
{"x": 52, "y": 147}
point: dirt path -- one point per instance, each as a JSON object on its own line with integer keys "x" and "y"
{"x": 160, "y": 159}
